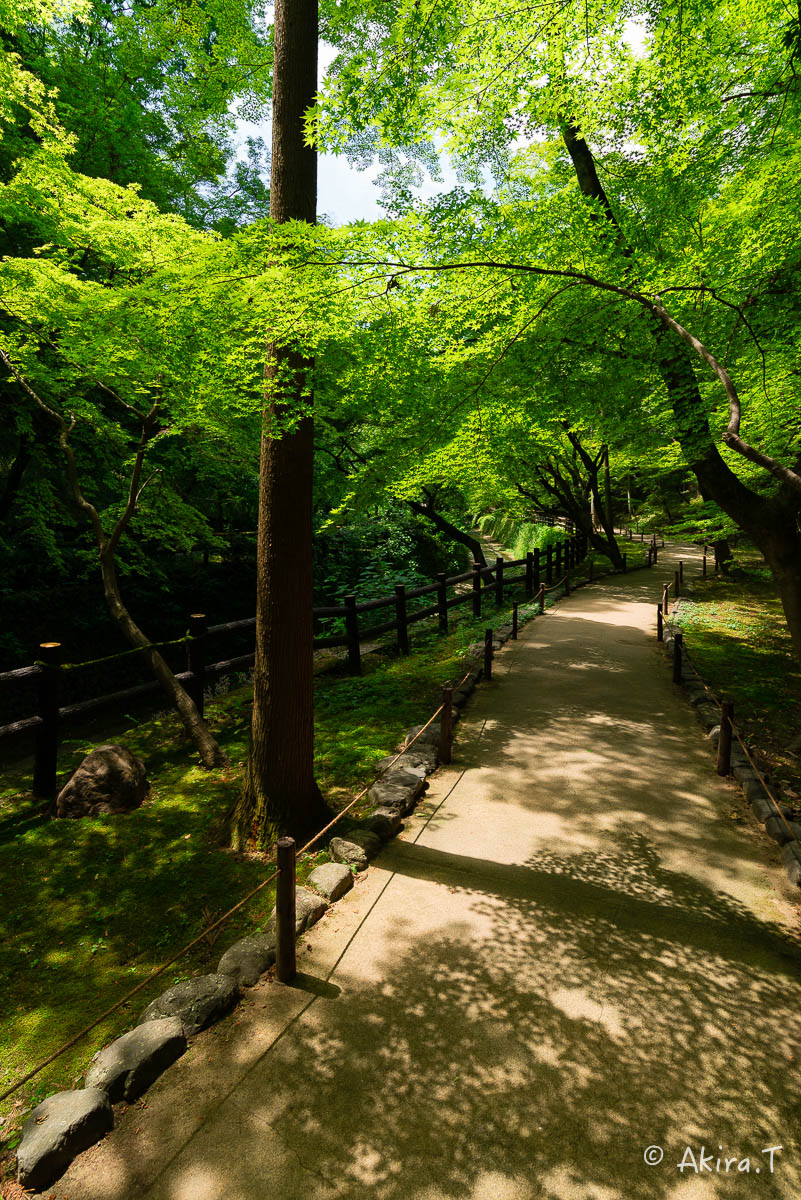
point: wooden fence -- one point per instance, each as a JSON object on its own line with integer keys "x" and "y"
{"x": 447, "y": 592}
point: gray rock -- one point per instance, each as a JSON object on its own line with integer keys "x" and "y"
{"x": 197, "y": 1002}
{"x": 369, "y": 842}
{"x": 248, "y": 959}
{"x": 57, "y": 1130}
{"x": 762, "y": 807}
{"x": 309, "y": 907}
{"x": 332, "y": 879}
{"x": 350, "y": 853}
{"x": 743, "y": 773}
{"x": 129, "y": 1065}
{"x": 428, "y": 735}
{"x": 791, "y": 857}
{"x": 385, "y": 822}
{"x": 419, "y": 761}
{"x": 387, "y": 794}
{"x": 109, "y": 780}
{"x": 460, "y": 698}
{"x": 778, "y": 830}
{"x": 401, "y": 777}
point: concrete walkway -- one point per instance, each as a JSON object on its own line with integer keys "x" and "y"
{"x": 573, "y": 953}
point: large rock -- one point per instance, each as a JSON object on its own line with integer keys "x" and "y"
{"x": 385, "y": 822}
{"x": 791, "y": 857}
{"x": 197, "y": 1002}
{"x": 59, "y": 1128}
{"x": 248, "y": 959}
{"x": 128, "y": 1066}
{"x": 109, "y": 780}
{"x": 308, "y": 910}
{"x": 349, "y": 853}
{"x": 332, "y": 879}
{"x": 425, "y": 735}
{"x": 408, "y": 777}
{"x": 388, "y": 794}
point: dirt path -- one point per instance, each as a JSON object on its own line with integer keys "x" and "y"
{"x": 572, "y": 954}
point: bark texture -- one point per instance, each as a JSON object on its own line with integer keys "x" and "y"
{"x": 280, "y": 794}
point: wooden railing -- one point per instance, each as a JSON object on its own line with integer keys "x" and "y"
{"x": 448, "y": 592}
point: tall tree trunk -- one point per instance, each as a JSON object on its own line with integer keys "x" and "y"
{"x": 280, "y": 794}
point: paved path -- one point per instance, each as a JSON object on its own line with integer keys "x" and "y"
{"x": 573, "y": 953}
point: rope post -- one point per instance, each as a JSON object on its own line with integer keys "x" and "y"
{"x": 703, "y": 566}
{"x": 650, "y": 556}
{"x": 656, "y": 554}
{"x": 446, "y": 726}
{"x": 558, "y": 559}
{"x": 442, "y": 601}
{"x": 549, "y": 564}
{"x": 352, "y": 634}
{"x": 681, "y": 571}
{"x": 529, "y": 575}
{"x": 542, "y": 598}
{"x": 678, "y": 642}
{"x": 625, "y": 564}
{"x": 676, "y": 585}
{"x": 514, "y": 621}
{"x": 488, "y": 654}
{"x": 499, "y": 582}
{"x": 660, "y": 634}
{"x": 400, "y": 618}
{"x": 196, "y": 658}
{"x": 642, "y": 536}
{"x": 46, "y": 760}
{"x": 724, "y": 743}
{"x": 476, "y": 589}
{"x": 285, "y": 963}
{"x": 665, "y": 600}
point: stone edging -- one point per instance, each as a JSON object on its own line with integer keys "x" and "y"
{"x": 67, "y": 1123}
{"x": 708, "y": 714}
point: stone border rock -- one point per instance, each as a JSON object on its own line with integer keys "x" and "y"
{"x": 765, "y": 812}
{"x": 74, "y": 1120}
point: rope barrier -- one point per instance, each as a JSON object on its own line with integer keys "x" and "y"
{"x": 73, "y": 1041}
{"x": 93, "y": 662}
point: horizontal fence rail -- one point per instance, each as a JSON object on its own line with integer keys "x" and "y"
{"x": 483, "y": 583}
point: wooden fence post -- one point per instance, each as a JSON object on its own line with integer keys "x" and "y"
{"x": 676, "y": 585}
{"x": 499, "y": 582}
{"x": 400, "y": 618}
{"x": 488, "y": 654}
{"x": 442, "y": 601}
{"x": 678, "y": 643}
{"x": 514, "y": 621}
{"x": 681, "y": 571}
{"x": 549, "y": 564}
{"x": 650, "y": 555}
{"x": 196, "y": 658}
{"x": 529, "y": 575}
{"x": 724, "y": 743}
{"x": 659, "y": 624}
{"x": 285, "y": 962}
{"x": 476, "y": 589}
{"x": 665, "y": 598}
{"x": 703, "y": 565}
{"x": 46, "y": 761}
{"x": 352, "y": 634}
{"x": 542, "y": 598}
{"x": 446, "y": 726}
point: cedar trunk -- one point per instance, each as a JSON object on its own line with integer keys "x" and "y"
{"x": 280, "y": 794}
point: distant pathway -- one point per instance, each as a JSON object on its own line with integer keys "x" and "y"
{"x": 572, "y": 954}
